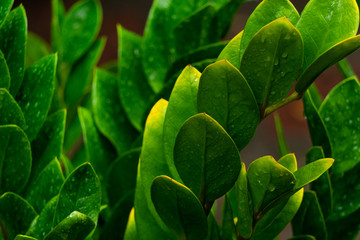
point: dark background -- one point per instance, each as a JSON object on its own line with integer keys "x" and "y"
{"x": 132, "y": 15}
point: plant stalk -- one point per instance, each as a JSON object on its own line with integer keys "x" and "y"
{"x": 293, "y": 97}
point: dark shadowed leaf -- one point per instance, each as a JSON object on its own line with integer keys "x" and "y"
{"x": 36, "y": 48}
{"x": 4, "y": 72}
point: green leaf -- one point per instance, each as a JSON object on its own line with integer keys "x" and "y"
{"x": 344, "y": 228}
{"x": 228, "y": 229}
{"x": 80, "y": 28}
{"x": 45, "y": 186}
{"x": 67, "y": 165}
{"x": 315, "y": 95}
{"x": 80, "y": 192}
{"x": 24, "y": 237}
{"x": 342, "y": 124}
{"x": 15, "y": 158}
{"x": 196, "y": 30}
{"x": 272, "y": 60}
{"x": 232, "y": 51}
{"x": 213, "y": 228}
{"x": 236, "y": 109}
{"x": 48, "y": 144}
{"x": 206, "y": 158}
{"x": 42, "y": 224}
{"x": 134, "y": 90}
{"x": 244, "y": 208}
{"x": 179, "y": 208}
{"x": 266, "y": 12}
{"x": 324, "y": 24}
{"x": 16, "y": 213}
{"x": 121, "y": 176}
{"x": 4, "y": 72}
{"x": 36, "y": 93}
{"x": 267, "y": 182}
{"x": 322, "y": 186}
{"x": 58, "y": 14}
{"x": 79, "y": 80}
{"x": 309, "y": 219}
{"x": 325, "y": 60}
{"x": 289, "y": 161}
{"x": 130, "y": 232}
{"x": 10, "y": 111}
{"x": 12, "y": 44}
{"x": 5, "y": 9}
{"x": 36, "y": 48}
{"x": 312, "y": 171}
{"x": 317, "y": 129}
{"x": 75, "y": 226}
{"x": 109, "y": 115}
{"x": 279, "y": 220}
{"x": 182, "y": 105}
{"x": 152, "y": 164}
{"x": 282, "y": 145}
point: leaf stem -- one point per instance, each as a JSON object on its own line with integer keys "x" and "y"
{"x": 293, "y": 97}
{"x": 345, "y": 68}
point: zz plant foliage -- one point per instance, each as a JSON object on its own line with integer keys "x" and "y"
{"x": 98, "y": 153}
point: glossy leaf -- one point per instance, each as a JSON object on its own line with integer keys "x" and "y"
{"x": 312, "y": 171}
{"x": 179, "y": 208}
{"x": 109, "y": 115}
{"x": 134, "y": 90}
{"x": 4, "y": 72}
{"x": 182, "y": 105}
{"x": 121, "y": 176}
{"x": 282, "y": 145}
{"x": 324, "y": 24}
{"x": 232, "y": 51}
{"x": 12, "y": 43}
{"x": 10, "y": 111}
{"x": 36, "y": 48}
{"x": 152, "y": 164}
{"x": 322, "y": 186}
{"x": 48, "y": 144}
{"x": 24, "y": 237}
{"x": 5, "y": 9}
{"x": 266, "y": 12}
{"x": 45, "y": 186}
{"x": 235, "y": 108}
{"x": 80, "y": 28}
{"x": 80, "y": 192}
{"x": 36, "y": 93}
{"x": 317, "y": 129}
{"x": 79, "y": 80}
{"x": 206, "y": 158}
{"x": 325, "y": 60}
{"x": 244, "y": 208}
{"x": 130, "y": 232}
{"x": 196, "y": 30}
{"x": 272, "y": 60}
{"x": 16, "y": 213}
{"x": 15, "y": 158}
{"x": 309, "y": 218}
{"x": 75, "y": 226}
{"x": 42, "y": 224}
{"x": 341, "y": 123}
{"x": 268, "y": 181}
{"x": 278, "y": 217}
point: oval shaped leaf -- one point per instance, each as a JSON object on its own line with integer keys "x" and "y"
{"x": 268, "y": 181}
{"x": 10, "y": 111}
{"x": 36, "y": 93}
{"x": 80, "y": 192}
{"x": 79, "y": 28}
{"x": 182, "y": 105}
{"x": 109, "y": 115}
{"x": 179, "y": 208}
{"x": 232, "y": 51}
{"x": 12, "y": 43}
{"x": 75, "y": 226}
{"x": 272, "y": 60}
{"x": 16, "y": 213}
{"x": 235, "y": 108}
{"x": 266, "y": 12}
{"x": 206, "y": 158}
{"x": 5, "y": 9}
{"x": 4, "y": 72}
{"x": 15, "y": 158}
{"x": 342, "y": 124}
{"x": 134, "y": 90}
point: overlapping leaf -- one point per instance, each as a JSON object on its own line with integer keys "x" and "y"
{"x": 10, "y": 111}
{"x": 4, "y": 72}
